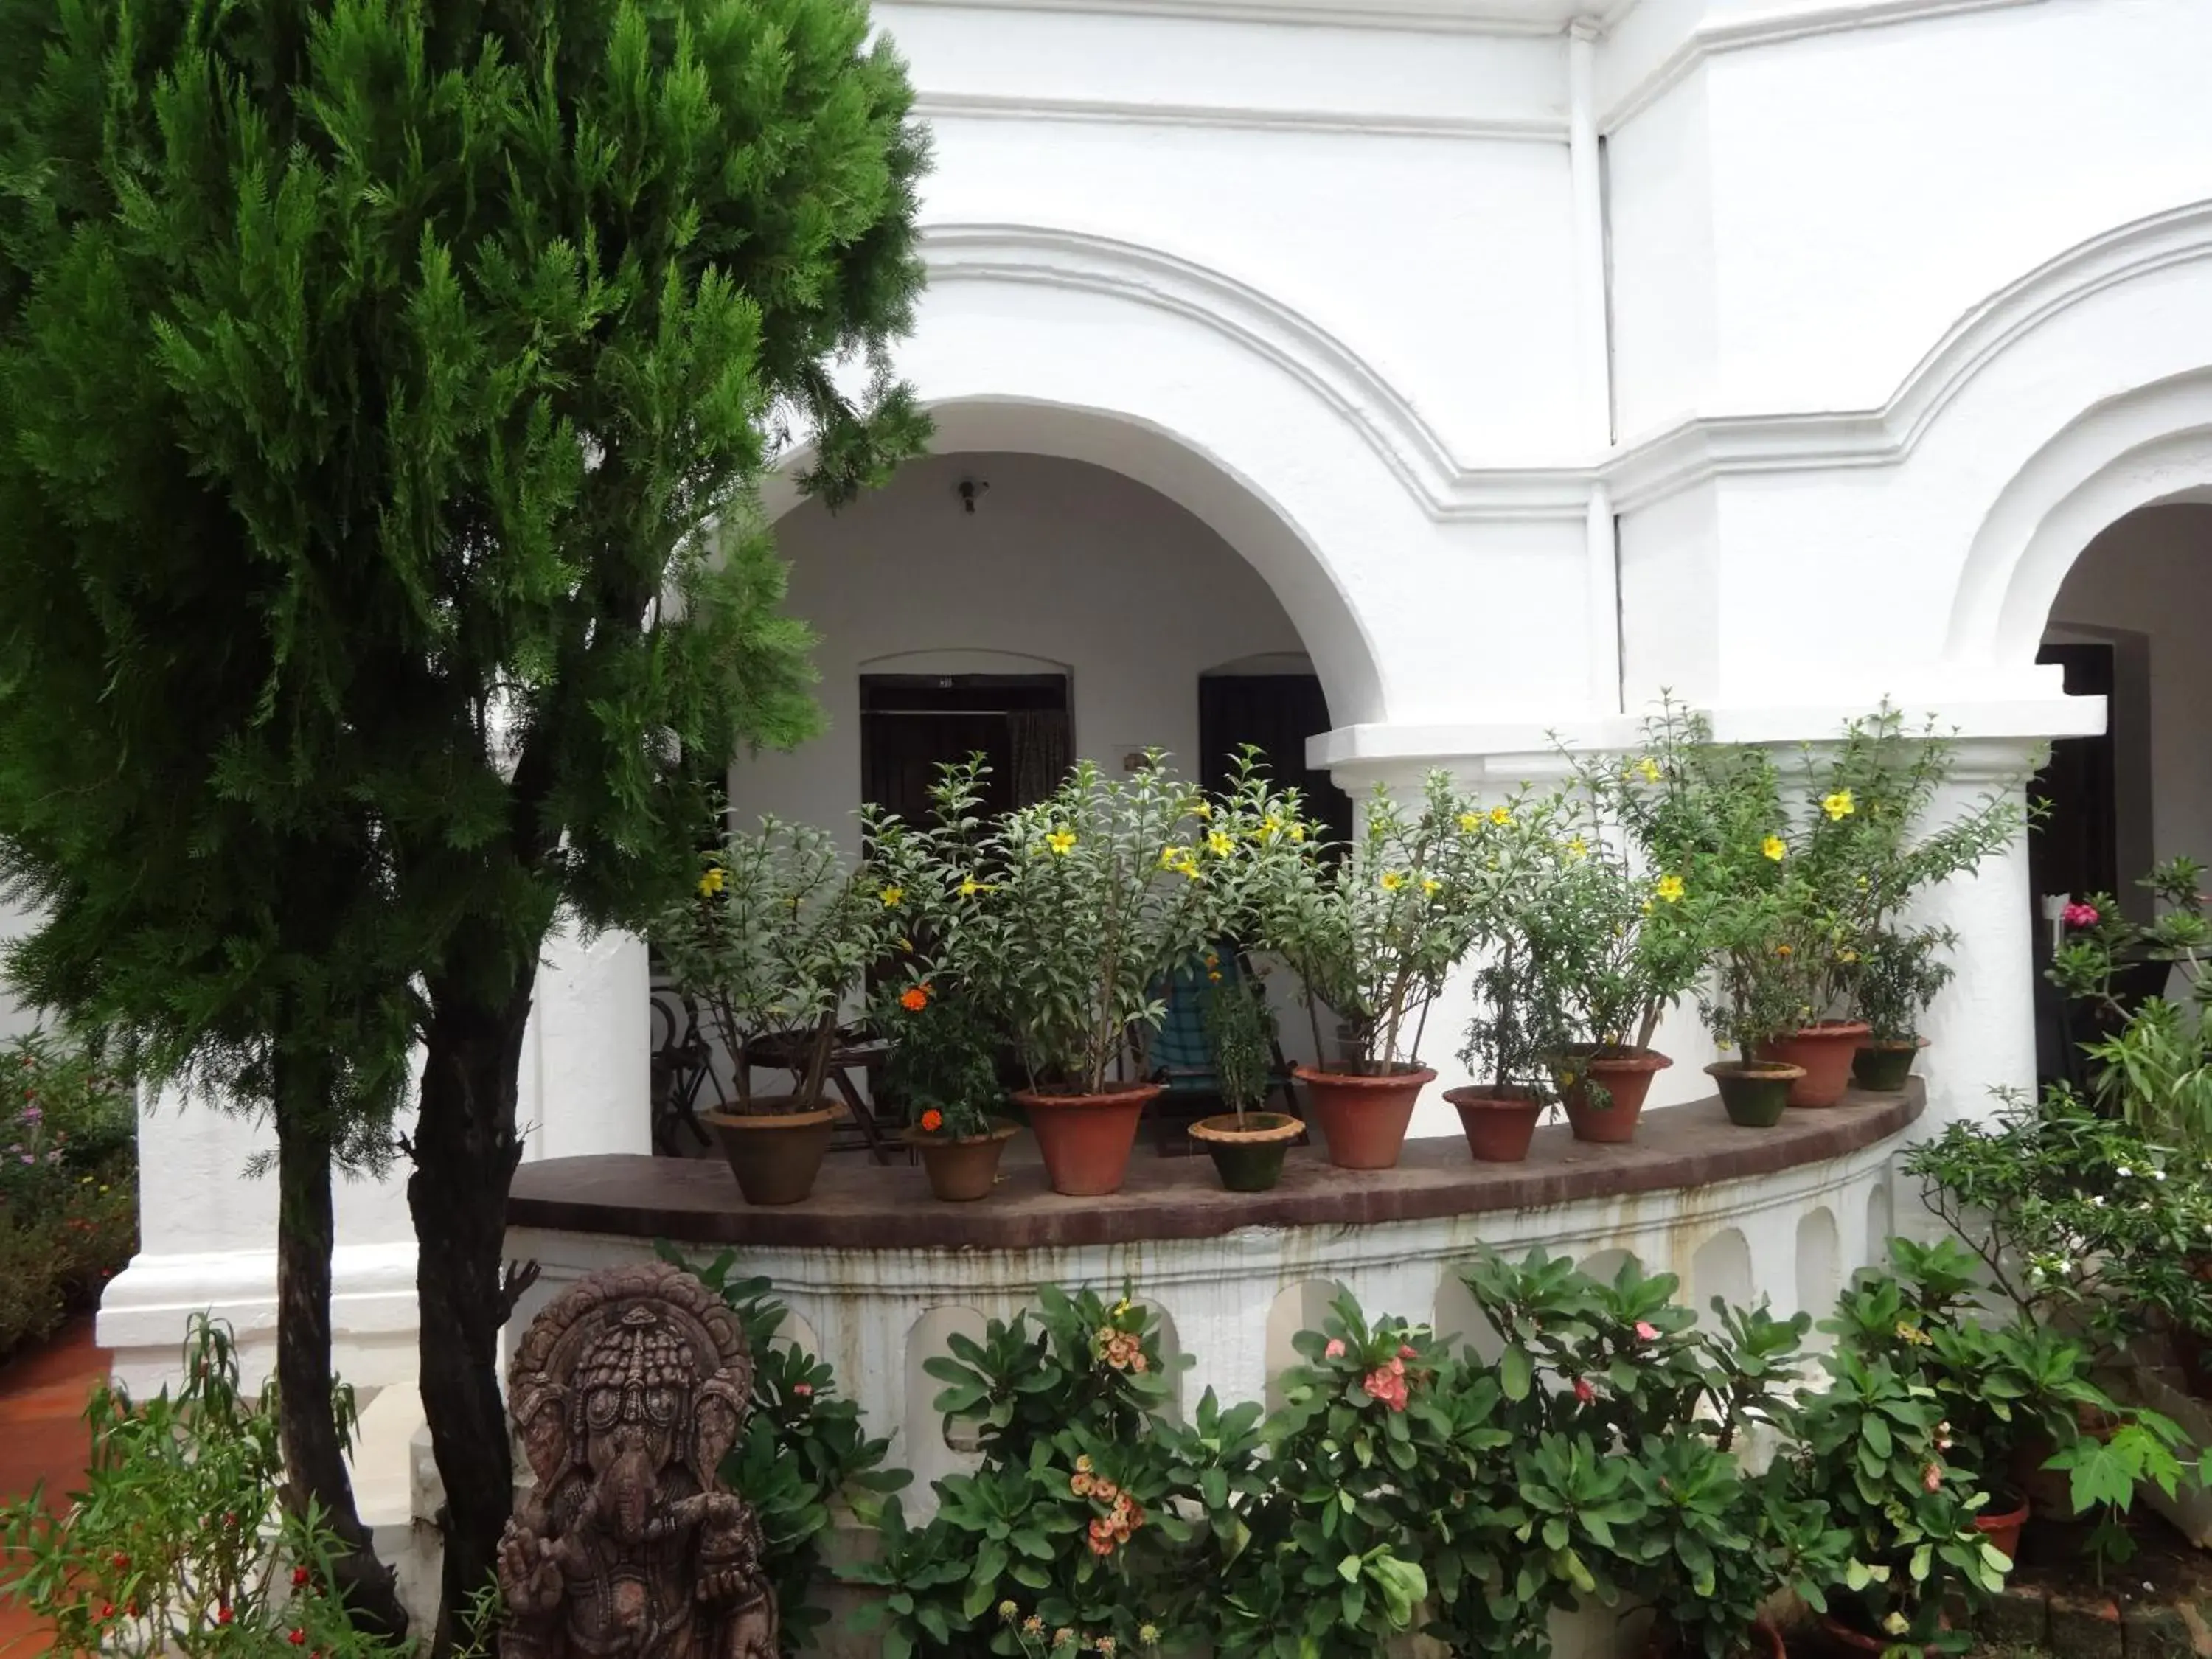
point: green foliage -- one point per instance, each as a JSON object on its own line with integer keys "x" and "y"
{"x": 779, "y": 931}
{"x": 1240, "y": 1028}
{"x": 1897, "y": 978}
{"x": 1063, "y": 917}
{"x": 944, "y": 1056}
{"x": 2081, "y": 1222}
{"x": 178, "y": 1543}
{"x": 1370, "y": 930}
{"x": 805, "y": 1454}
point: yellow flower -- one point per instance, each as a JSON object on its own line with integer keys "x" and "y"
{"x": 1501, "y": 815}
{"x": 1838, "y": 805}
{"x": 1647, "y": 770}
{"x": 1847, "y": 956}
{"x": 1392, "y": 881}
{"x": 1470, "y": 821}
{"x": 1270, "y": 827}
{"x": 1774, "y": 847}
{"x": 711, "y": 883}
{"x": 1220, "y": 843}
{"x": 1297, "y": 832}
{"x": 1566, "y": 1079}
{"x": 1669, "y": 889}
{"x": 1578, "y": 848}
{"x": 1213, "y": 975}
{"x": 1203, "y": 809}
{"x": 1429, "y": 884}
{"x": 1062, "y": 842}
{"x": 970, "y": 887}
{"x": 890, "y": 896}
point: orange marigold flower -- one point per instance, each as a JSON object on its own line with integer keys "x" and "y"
{"x": 915, "y": 1000}
{"x": 932, "y": 1122}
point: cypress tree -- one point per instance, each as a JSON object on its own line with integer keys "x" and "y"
{"x": 383, "y": 388}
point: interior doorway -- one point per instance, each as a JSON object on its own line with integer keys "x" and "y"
{"x": 913, "y": 725}
{"x": 2074, "y": 846}
{"x": 1274, "y": 714}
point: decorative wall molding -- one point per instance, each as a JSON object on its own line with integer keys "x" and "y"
{"x": 1521, "y": 17}
{"x": 1713, "y": 39}
{"x": 1376, "y": 123}
{"x": 1683, "y": 457}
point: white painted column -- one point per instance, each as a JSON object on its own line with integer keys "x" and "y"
{"x": 587, "y": 1059}
{"x": 1982, "y": 1028}
{"x": 1594, "y": 360}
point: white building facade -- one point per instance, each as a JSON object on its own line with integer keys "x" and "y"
{"x": 1500, "y": 363}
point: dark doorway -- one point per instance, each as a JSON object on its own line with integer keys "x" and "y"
{"x": 2075, "y": 847}
{"x": 1275, "y": 713}
{"x": 913, "y": 724}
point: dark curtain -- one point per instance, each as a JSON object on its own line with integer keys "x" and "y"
{"x": 1274, "y": 714}
{"x": 1039, "y": 739}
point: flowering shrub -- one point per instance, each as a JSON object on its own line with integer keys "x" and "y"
{"x": 778, "y": 935}
{"x": 179, "y": 1544}
{"x": 1062, "y": 919}
{"x": 943, "y": 1064}
{"x": 68, "y": 1185}
{"x": 1370, "y": 930}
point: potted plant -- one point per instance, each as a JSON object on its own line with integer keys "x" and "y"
{"x": 1063, "y": 919}
{"x": 780, "y": 932}
{"x": 1868, "y": 1451}
{"x": 943, "y": 1067}
{"x": 1896, "y": 978}
{"x": 1863, "y": 843}
{"x": 1755, "y": 996}
{"x": 1371, "y": 930}
{"x": 1498, "y": 1116}
{"x": 1246, "y": 1144}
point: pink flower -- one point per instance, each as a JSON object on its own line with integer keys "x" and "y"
{"x": 2080, "y": 915}
{"x": 1387, "y": 1386}
{"x": 1583, "y": 1392}
{"x": 802, "y": 1390}
{"x": 1646, "y": 1331}
{"x": 1404, "y": 1351}
{"x": 1931, "y": 1478}
{"x": 1335, "y": 1349}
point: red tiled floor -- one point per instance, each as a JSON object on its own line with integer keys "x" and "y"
{"x": 42, "y": 1439}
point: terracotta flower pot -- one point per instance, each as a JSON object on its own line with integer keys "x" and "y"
{"x": 776, "y": 1149}
{"x": 1754, "y": 1093}
{"x": 1361, "y": 1116}
{"x": 1499, "y": 1121}
{"x": 1880, "y": 1067}
{"x": 1764, "y": 1642}
{"x": 1625, "y": 1076}
{"x": 1825, "y": 1051}
{"x": 2003, "y": 1530}
{"x": 1085, "y": 1138}
{"x": 963, "y": 1170}
{"x": 1247, "y": 1158}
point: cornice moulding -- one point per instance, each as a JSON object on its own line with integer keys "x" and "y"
{"x": 1687, "y": 455}
{"x": 1712, "y": 39}
{"x": 992, "y": 106}
{"x": 1411, "y": 17}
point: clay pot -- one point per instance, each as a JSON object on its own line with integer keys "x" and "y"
{"x": 1247, "y": 1158}
{"x": 1085, "y": 1138}
{"x": 2003, "y": 1530}
{"x": 1754, "y": 1092}
{"x": 1766, "y": 1640}
{"x": 1364, "y": 1116}
{"x": 776, "y": 1149}
{"x": 1825, "y": 1051}
{"x": 1880, "y": 1068}
{"x": 1499, "y": 1121}
{"x": 964, "y": 1169}
{"x": 1626, "y": 1074}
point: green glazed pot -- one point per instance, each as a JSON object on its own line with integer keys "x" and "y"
{"x": 1756, "y": 1095}
{"x": 1880, "y": 1068}
{"x": 1250, "y": 1159}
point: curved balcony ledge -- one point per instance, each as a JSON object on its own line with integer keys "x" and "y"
{"x": 860, "y": 1206}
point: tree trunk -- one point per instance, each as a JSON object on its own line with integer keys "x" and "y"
{"x": 465, "y": 1153}
{"x": 314, "y": 1458}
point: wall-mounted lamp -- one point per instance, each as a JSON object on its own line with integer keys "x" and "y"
{"x": 970, "y": 490}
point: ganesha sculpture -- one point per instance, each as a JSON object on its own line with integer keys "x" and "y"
{"x": 626, "y": 1392}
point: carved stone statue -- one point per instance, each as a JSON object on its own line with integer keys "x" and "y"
{"x": 627, "y": 1391}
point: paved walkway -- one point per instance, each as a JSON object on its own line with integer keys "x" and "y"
{"x": 42, "y": 1439}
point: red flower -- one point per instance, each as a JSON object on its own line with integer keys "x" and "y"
{"x": 298, "y": 1638}
{"x": 932, "y": 1122}
{"x": 299, "y": 1578}
{"x": 107, "y": 1611}
{"x": 915, "y": 1000}
{"x": 1583, "y": 1392}
{"x": 2080, "y": 915}
{"x": 120, "y": 1561}
{"x": 223, "y": 1615}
